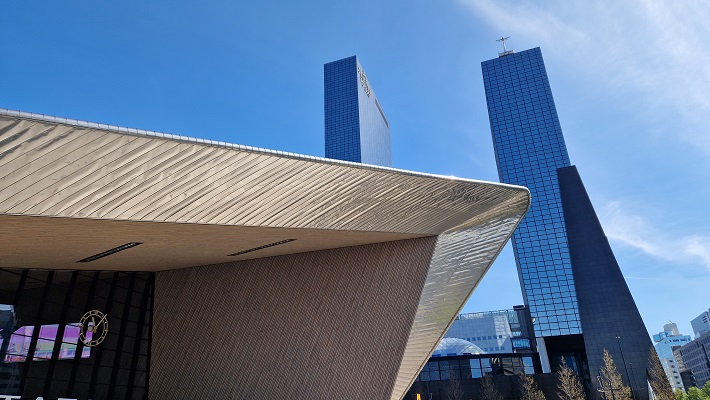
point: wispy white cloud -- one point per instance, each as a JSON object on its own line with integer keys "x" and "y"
{"x": 655, "y": 51}
{"x": 636, "y": 231}
{"x": 699, "y": 247}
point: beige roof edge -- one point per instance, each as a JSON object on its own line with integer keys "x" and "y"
{"x": 181, "y": 182}
{"x": 227, "y": 145}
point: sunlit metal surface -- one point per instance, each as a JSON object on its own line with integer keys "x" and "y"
{"x": 65, "y": 168}
{"x": 461, "y": 257}
{"x": 54, "y": 169}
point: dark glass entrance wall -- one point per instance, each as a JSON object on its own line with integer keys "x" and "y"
{"x": 42, "y": 350}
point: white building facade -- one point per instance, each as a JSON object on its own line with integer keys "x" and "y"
{"x": 665, "y": 342}
{"x": 503, "y": 331}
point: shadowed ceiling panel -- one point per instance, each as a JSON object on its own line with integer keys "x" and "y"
{"x": 58, "y": 243}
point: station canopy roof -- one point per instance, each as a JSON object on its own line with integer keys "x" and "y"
{"x": 72, "y": 191}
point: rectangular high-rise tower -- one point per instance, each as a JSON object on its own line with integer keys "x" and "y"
{"x": 572, "y": 284}
{"x": 529, "y": 150}
{"x": 356, "y": 128}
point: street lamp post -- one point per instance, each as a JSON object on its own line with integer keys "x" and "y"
{"x": 603, "y": 389}
{"x": 633, "y": 375}
{"x": 628, "y": 377}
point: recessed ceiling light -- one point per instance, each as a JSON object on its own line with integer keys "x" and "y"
{"x": 262, "y": 247}
{"x": 109, "y": 252}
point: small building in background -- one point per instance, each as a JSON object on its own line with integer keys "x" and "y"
{"x": 665, "y": 343}
{"x": 686, "y": 375}
{"x": 701, "y": 323}
{"x": 502, "y": 331}
{"x": 696, "y": 358}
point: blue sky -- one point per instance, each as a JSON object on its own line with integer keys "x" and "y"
{"x": 631, "y": 83}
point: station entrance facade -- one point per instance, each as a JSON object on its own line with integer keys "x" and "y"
{"x": 75, "y": 334}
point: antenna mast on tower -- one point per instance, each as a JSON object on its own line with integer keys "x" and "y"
{"x": 505, "y": 50}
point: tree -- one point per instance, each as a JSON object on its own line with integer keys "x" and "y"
{"x": 658, "y": 379}
{"x": 528, "y": 389}
{"x": 488, "y": 389}
{"x": 611, "y": 382}
{"x": 569, "y": 386}
{"x": 694, "y": 393}
{"x": 454, "y": 390}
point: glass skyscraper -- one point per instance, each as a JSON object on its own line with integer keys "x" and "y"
{"x": 529, "y": 149}
{"x": 578, "y": 299}
{"x": 356, "y": 128}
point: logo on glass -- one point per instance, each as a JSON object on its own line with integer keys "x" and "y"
{"x": 363, "y": 81}
{"x": 93, "y": 328}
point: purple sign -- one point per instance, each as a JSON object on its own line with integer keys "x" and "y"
{"x": 19, "y": 346}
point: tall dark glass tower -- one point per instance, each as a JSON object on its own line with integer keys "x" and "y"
{"x": 529, "y": 150}
{"x": 578, "y": 299}
{"x": 356, "y": 128}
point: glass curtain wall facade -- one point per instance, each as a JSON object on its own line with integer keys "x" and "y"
{"x": 579, "y": 301}
{"x": 42, "y": 340}
{"x": 356, "y": 128}
{"x": 696, "y": 357}
{"x": 462, "y": 377}
{"x": 529, "y": 149}
{"x": 503, "y": 331}
{"x": 473, "y": 367}
{"x": 701, "y": 323}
